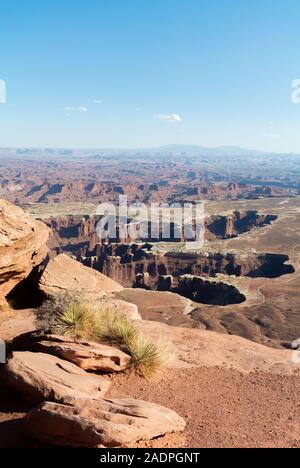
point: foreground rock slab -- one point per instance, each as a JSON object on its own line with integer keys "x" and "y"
{"x": 199, "y": 348}
{"x": 101, "y": 423}
{"x": 65, "y": 274}
{"x": 88, "y": 356}
{"x": 39, "y": 377}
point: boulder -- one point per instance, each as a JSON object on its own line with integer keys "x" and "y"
{"x": 22, "y": 246}
{"x": 39, "y": 377}
{"x": 101, "y": 423}
{"x": 25, "y": 341}
{"x": 128, "y": 309}
{"x": 65, "y": 274}
{"x": 94, "y": 357}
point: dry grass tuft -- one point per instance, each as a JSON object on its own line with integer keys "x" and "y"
{"x": 147, "y": 358}
{"x": 74, "y": 316}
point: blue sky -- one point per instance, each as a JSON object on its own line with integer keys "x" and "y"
{"x": 141, "y": 73}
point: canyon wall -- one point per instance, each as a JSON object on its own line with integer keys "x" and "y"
{"x": 136, "y": 265}
{"x": 77, "y": 232}
{"x": 139, "y": 265}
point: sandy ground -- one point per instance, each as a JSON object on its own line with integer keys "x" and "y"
{"x": 225, "y": 408}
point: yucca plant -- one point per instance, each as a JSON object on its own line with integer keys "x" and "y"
{"x": 76, "y": 321}
{"x": 147, "y": 358}
{"x": 122, "y": 332}
{"x": 74, "y": 316}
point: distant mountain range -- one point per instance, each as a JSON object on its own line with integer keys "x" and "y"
{"x": 194, "y": 150}
{"x": 168, "y": 150}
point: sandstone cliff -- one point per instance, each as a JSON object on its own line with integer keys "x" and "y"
{"x": 22, "y": 246}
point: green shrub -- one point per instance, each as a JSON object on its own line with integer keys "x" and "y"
{"x": 74, "y": 316}
{"x": 147, "y": 357}
{"x": 76, "y": 322}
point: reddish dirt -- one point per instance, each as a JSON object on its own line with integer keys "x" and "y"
{"x": 224, "y": 408}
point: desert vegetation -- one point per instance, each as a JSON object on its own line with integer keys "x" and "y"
{"x": 73, "y": 315}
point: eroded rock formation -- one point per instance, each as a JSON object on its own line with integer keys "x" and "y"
{"x": 137, "y": 265}
{"x": 65, "y": 274}
{"x": 77, "y": 234}
{"x": 22, "y": 246}
{"x": 38, "y": 377}
{"x": 95, "y": 357}
{"x": 208, "y": 291}
{"x": 50, "y": 178}
{"x": 101, "y": 423}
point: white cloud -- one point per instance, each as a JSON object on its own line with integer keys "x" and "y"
{"x": 75, "y": 109}
{"x": 296, "y": 94}
{"x": 270, "y": 135}
{"x": 2, "y": 92}
{"x": 97, "y": 101}
{"x": 173, "y": 118}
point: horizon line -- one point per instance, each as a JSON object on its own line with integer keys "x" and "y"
{"x": 146, "y": 148}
